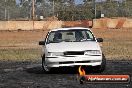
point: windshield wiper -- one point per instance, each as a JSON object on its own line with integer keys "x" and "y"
{"x": 86, "y": 40}
{"x": 67, "y": 40}
{"x": 54, "y": 42}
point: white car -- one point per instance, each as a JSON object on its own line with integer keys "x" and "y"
{"x": 70, "y": 47}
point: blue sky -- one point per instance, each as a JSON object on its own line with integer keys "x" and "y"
{"x": 17, "y": 1}
{"x": 78, "y": 1}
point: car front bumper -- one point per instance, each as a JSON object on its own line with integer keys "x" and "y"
{"x": 71, "y": 61}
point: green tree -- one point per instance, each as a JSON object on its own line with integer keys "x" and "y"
{"x": 8, "y": 9}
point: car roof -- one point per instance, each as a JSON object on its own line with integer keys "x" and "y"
{"x": 70, "y": 28}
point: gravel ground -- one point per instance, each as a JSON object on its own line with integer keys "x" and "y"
{"x": 30, "y": 75}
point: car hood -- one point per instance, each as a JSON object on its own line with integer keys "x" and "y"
{"x": 72, "y": 46}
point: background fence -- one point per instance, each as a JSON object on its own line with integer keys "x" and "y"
{"x": 103, "y": 23}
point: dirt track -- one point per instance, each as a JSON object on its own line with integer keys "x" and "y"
{"x": 30, "y": 75}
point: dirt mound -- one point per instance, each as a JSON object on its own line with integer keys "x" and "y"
{"x": 100, "y": 23}
{"x": 72, "y": 23}
{"x": 114, "y": 23}
{"x": 87, "y": 23}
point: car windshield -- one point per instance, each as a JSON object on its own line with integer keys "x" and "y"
{"x": 79, "y": 35}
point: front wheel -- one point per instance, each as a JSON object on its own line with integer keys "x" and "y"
{"x": 44, "y": 66}
{"x": 101, "y": 67}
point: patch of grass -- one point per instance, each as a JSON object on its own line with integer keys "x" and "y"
{"x": 117, "y": 43}
{"x": 20, "y": 54}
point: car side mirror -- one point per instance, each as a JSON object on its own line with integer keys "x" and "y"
{"x": 99, "y": 39}
{"x": 41, "y": 42}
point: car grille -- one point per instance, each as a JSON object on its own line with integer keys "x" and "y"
{"x": 70, "y": 62}
{"x": 74, "y": 53}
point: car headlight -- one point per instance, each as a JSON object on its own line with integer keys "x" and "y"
{"x": 92, "y": 52}
{"x": 55, "y": 54}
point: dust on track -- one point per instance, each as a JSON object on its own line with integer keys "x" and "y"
{"x": 31, "y": 75}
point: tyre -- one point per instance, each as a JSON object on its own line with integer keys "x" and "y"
{"x": 44, "y": 66}
{"x": 101, "y": 67}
